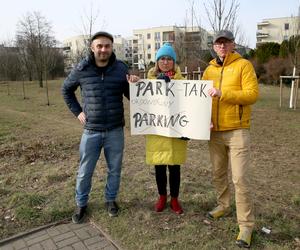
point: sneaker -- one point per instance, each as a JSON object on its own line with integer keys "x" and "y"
{"x": 79, "y": 216}
{"x": 161, "y": 203}
{"x": 244, "y": 238}
{"x": 112, "y": 208}
{"x": 175, "y": 206}
{"x": 218, "y": 212}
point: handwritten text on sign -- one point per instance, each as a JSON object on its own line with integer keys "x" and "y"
{"x": 180, "y": 108}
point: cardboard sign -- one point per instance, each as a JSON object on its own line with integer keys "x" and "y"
{"x": 180, "y": 108}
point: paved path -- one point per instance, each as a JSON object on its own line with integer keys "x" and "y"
{"x": 61, "y": 236}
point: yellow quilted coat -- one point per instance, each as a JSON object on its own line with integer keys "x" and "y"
{"x": 161, "y": 150}
{"x": 238, "y": 83}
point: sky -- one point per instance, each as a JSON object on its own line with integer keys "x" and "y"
{"x": 121, "y": 17}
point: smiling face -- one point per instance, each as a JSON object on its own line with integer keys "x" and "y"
{"x": 102, "y": 48}
{"x": 223, "y": 47}
{"x": 165, "y": 64}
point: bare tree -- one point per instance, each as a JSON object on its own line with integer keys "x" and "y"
{"x": 9, "y": 64}
{"x": 292, "y": 49}
{"x": 88, "y": 22}
{"x": 191, "y": 40}
{"x": 179, "y": 47}
{"x": 294, "y": 43}
{"x": 34, "y": 37}
{"x": 223, "y": 14}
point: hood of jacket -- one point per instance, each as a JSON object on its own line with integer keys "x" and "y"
{"x": 231, "y": 57}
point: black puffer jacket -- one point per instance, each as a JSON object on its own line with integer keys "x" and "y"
{"x": 101, "y": 91}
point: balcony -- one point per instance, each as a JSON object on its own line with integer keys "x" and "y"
{"x": 261, "y": 35}
{"x": 263, "y": 23}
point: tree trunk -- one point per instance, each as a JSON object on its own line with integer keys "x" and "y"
{"x": 41, "y": 79}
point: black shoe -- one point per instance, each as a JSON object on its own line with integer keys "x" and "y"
{"x": 112, "y": 208}
{"x": 79, "y": 216}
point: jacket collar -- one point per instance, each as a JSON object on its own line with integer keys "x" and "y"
{"x": 228, "y": 59}
{"x": 112, "y": 59}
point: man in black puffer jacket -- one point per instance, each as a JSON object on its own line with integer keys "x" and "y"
{"x": 103, "y": 81}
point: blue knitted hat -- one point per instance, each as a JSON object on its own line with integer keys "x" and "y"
{"x": 166, "y": 50}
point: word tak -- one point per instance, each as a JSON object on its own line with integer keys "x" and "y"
{"x": 194, "y": 89}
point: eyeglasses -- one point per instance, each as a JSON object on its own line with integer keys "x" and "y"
{"x": 166, "y": 58}
{"x": 220, "y": 43}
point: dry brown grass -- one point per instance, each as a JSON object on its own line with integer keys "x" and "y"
{"x": 39, "y": 158}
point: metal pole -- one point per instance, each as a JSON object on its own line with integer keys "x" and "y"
{"x": 280, "y": 92}
{"x": 296, "y": 93}
{"x": 292, "y": 89}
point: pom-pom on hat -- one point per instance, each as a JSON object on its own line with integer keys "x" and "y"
{"x": 166, "y": 50}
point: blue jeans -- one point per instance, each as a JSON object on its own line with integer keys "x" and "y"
{"x": 112, "y": 141}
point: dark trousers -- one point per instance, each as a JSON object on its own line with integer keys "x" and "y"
{"x": 174, "y": 179}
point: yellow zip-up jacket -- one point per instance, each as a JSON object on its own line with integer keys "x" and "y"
{"x": 161, "y": 150}
{"x": 238, "y": 82}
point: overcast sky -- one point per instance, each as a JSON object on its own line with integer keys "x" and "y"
{"x": 120, "y": 17}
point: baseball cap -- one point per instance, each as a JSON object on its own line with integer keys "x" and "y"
{"x": 224, "y": 34}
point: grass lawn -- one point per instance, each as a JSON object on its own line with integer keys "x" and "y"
{"x": 39, "y": 160}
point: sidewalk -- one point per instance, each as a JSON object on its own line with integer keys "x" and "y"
{"x": 67, "y": 236}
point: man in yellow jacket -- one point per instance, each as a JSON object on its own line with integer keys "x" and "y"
{"x": 235, "y": 89}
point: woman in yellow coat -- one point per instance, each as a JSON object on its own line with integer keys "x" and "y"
{"x": 164, "y": 151}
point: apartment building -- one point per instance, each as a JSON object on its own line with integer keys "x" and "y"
{"x": 277, "y": 29}
{"x": 139, "y": 50}
{"x": 131, "y": 51}
{"x": 148, "y": 41}
{"x": 74, "y": 49}
{"x": 119, "y": 47}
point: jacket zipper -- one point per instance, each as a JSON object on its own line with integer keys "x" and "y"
{"x": 218, "y": 102}
{"x": 104, "y": 101}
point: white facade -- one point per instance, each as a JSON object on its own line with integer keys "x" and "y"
{"x": 119, "y": 47}
{"x": 140, "y": 49}
{"x": 74, "y": 48}
{"x": 277, "y": 29}
{"x": 131, "y": 51}
{"x": 151, "y": 39}
{"x": 76, "y": 43}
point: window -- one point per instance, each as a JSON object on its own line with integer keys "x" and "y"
{"x": 149, "y": 56}
{"x": 285, "y": 38}
{"x": 148, "y": 36}
{"x": 157, "y": 46}
{"x": 157, "y": 35}
{"x": 149, "y": 46}
{"x": 169, "y": 36}
{"x": 286, "y": 26}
